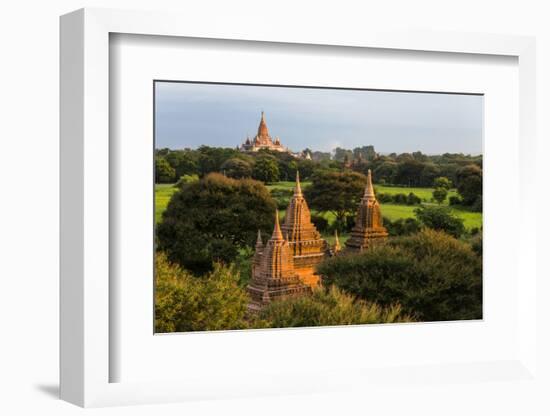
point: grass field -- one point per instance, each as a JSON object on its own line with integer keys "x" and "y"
{"x": 163, "y": 193}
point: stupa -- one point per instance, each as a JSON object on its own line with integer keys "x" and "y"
{"x": 368, "y": 230}
{"x": 274, "y": 276}
{"x": 263, "y": 140}
{"x": 305, "y": 242}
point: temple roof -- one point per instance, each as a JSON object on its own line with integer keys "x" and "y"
{"x": 369, "y": 189}
{"x": 277, "y": 234}
{"x": 298, "y": 187}
{"x": 259, "y": 243}
{"x": 262, "y": 128}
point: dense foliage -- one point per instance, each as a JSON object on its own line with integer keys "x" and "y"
{"x": 329, "y": 307}
{"x": 440, "y": 218}
{"x": 336, "y": 192}
{"x": 187, "y": 303}
{"x": 431, "y": 274}
{"x": 210, "y": 220}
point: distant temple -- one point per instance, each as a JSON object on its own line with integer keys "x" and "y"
{"x": 285, "y": 266}
{"x": 368, "y": 230}
{"x": 263, "y": 140}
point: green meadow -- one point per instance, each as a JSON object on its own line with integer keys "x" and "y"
{"x": 163, "y": 193}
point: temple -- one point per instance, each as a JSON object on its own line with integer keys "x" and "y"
{"x": 274, "y": 276}
{"x": 368, "y": 230}
{"x": 306, "y": 244}
{"x": 285, "y": 266}
{"x": 263, "y": 140}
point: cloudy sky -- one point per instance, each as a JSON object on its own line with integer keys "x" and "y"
{"x": 190, "y": 115}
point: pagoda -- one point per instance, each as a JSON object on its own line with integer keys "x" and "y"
{"x": 368, "y": 230}
{"x": 263, "y": 140}
{"x": 305, "y": 242}
{"x": 274, "y": 276}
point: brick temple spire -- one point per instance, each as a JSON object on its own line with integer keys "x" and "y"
{"x": 369, "y": 189}
{"x": 277, "y": 234}
{"x": 368, "y": 229}
{"x": 298, "y": 187}
{"x": 305, "y": 241}
{"x": 273, "y": 275}
{"x": 262, "y": 128}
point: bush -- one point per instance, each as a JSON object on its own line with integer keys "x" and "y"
{"x": 440, "y": 218}
{"x": 455, "y": 200}
{"x": 328, "y": 307}
{"x": 412, "y": 199}
{"x": 432, "y": 275}
{"x": 211, "y": 220}
{"x": 185, "y": 179}
{"x": 402, "y": 226}
{"x": 321, "y": 223}
{"x": 186, "y": 303}
{"x": 439, "y": 195}
{"x": 400, "y": 199}
{"x": 384, "y": 198}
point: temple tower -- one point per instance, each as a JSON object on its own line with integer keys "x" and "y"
{"x": 274, "y": 276}
{"x": 306, "y": 244}
{"x": 368, "y": 229}
{"x": 263, "y": 140}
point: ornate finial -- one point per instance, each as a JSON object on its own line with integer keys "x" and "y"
{"x": 277, "y": 234}
{"x": 298, "y": 188}
{"x": 259, "y": 242}
{"x": 369, "y": 189}
{"x": 337, "y": 246}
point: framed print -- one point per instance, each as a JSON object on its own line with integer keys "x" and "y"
{"x": 329, "y": 208}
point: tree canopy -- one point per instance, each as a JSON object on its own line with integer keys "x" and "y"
{"x": 184, "y": 302}
{"x": 336, "y": 192}
{"x": 210, "y": 220}
{"x": 431, "y": 274}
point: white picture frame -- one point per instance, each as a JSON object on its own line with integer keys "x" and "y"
{"x": 85, "y": 212}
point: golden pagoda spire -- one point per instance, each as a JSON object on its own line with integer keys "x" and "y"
{"x": 298, "y": 188}
{"x": 369, "y": 189}
{"x": 262, "y": 128}
{"x": 337, "y": 246}
{"x": 277, "y": 234}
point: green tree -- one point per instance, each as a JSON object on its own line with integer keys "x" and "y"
{"x": 469, "y": 183}
{"x": 210, "y": 159}
{"x": 212, "y": 219}
{"x": 236, "y": 168}
{"x": 336, "y": 192}
{"x": 164, "y": 173}
{"x": 184, "y": 302}
{"x": 183, "y": 161}
{"x": 439, "y": 194}
{"x": 328, "y": 307}
{"x": 266, "y": 169}
{"x": 440, "y": 218}
{"x": 432, "y": 275}
{"x": 442, "y": 182}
